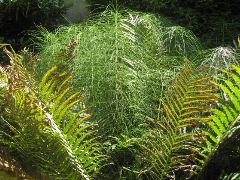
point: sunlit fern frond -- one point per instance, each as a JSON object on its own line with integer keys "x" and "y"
{"x": 225, "y": 122}
{"x": 171, "y": 148}
{"x": 70, "y": 114}
{"x": 44, "y": 124}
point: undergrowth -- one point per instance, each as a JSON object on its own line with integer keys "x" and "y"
{"x": 154, "y": 116}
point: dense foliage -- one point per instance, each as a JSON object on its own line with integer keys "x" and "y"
{"x": 124, "y": 66}
{"x": 124, "y": 95}
{"x": 129, "y": 61}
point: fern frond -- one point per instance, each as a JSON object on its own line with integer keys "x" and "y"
{"x": 185, "y": 109}
{"x": 75, "y": 126}
{"x": 51, "y": 133}
{"x": 226, "y": 117}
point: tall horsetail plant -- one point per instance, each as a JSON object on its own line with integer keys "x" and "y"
{"x": 122, "y": 60}
{"x": 43, "y": 125}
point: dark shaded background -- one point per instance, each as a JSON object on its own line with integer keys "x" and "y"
{"x": 215, "y": 22}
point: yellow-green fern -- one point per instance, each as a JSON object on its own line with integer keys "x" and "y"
{"x": 45, "y": 125}
{"x": 172, "y": 147}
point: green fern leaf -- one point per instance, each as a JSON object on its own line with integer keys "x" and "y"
{"x": 44, "y": 124}
{"x": 225, "y": 117}
{"x": 185, "y": 109}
